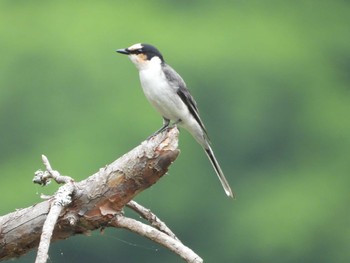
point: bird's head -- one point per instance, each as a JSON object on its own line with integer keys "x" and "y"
{"x": 142, "y": 55}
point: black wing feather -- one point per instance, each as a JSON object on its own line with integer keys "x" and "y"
{"x": 184, "y": 94}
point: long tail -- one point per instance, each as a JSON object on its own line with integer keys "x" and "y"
{"x": 219, "y": 172}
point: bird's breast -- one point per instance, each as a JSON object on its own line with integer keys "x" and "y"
{"x": 153, "y": 84}
{"x": 161, "y": 94}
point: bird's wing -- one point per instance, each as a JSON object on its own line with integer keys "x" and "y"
{"x": 173, "y": 77}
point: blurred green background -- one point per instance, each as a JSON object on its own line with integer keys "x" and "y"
{"x": 272, "y": 80}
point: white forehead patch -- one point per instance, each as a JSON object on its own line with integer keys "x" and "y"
{"x": 135, "y": 46}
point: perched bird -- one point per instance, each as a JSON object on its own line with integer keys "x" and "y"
{"x": 168, "y": 94}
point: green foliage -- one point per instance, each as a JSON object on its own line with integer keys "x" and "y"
{"x": 272, "y": 83}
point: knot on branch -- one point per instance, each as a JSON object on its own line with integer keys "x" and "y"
{"x": 43, "y": 177}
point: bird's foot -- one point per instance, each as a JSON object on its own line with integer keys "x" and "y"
{"x": 166, "y": 126}
{"x": 163, "y": 128}
{"x": 166, "y": 123}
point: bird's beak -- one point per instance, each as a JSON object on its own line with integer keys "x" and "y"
{"x": 123, "y": 51}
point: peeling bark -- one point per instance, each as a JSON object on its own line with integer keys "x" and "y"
{"x": 96, "y": 200}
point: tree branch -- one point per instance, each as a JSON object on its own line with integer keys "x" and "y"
{"x": 95, "y": 202}
{"x": 152, "y": 218}
{"x": 155, "y": 235}
{"x": 61, "y": 199}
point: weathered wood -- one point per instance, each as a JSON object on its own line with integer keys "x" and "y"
{"x": 96, "y": 200}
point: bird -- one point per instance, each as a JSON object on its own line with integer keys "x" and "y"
{"x": 168, "y": 94}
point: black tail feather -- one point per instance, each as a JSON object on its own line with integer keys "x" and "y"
{"x": 219, "y": 172}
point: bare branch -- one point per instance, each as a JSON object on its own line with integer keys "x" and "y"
{"x": 95, "y": 201}
{"x": 152, "y": 218}
{"x": 157, "y": 236}
{"x": 61, "y": 199}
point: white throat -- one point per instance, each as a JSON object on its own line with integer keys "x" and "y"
{"x": 154, "y": 63}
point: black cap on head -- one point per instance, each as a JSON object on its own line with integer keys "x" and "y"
{"x": 151, "y": 51}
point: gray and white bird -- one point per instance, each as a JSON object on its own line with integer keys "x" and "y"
{"x": 168, "y": 94}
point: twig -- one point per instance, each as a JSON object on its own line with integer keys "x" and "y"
{"x": 152, "y": 218}
{"x": 43, "y": 177}
{"x": 61, "y": 199}
{"x": 157, "y": 236}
